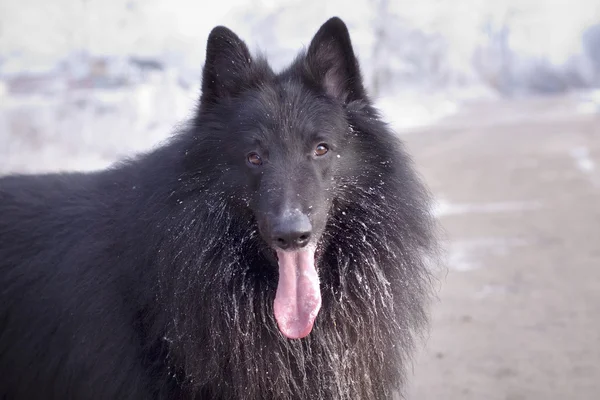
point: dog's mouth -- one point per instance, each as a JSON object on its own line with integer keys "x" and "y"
{"x": 298, "y": 294}
{"x": 298, "y": 297}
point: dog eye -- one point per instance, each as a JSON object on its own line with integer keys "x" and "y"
{"x": 254, "y": 159}
{"x": 321, "y": 149}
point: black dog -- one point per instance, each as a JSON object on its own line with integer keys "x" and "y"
{"x": 274, "y": 249}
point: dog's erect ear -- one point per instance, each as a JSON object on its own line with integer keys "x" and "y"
{"x": 331, "y": 62}
{"x": 227, "y": 67}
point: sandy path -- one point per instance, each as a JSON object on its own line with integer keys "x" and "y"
{"x": 519, "y": 310}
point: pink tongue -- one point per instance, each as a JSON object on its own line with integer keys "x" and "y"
{"x": 298, "y": 297}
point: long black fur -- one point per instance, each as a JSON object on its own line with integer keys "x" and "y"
{"x": 151, "y": 280}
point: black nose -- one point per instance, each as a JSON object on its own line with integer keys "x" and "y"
{"x": 292, "y": 232}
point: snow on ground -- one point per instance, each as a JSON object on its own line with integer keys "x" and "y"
{"x": 468, "y": 254}
{"x": 585, "y": 164}
{"x": 406, "y": 112}
{"x": 445, "y": 208}
{"x": 590, "y": 102}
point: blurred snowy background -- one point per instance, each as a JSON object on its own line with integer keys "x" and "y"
{"x": 499, "y": 102}
{"x": 74, "y": 71}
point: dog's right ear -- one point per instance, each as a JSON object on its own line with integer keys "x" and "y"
{"x": 227, "y": 67}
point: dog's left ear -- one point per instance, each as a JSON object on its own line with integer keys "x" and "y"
{"x": 331, "y": 62}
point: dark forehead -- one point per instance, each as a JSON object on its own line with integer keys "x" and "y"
{"x": 287, "y": 107}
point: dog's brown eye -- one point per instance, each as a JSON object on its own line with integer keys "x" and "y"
{"x": 254, "y": 159}
{"x": 321, "y": 149}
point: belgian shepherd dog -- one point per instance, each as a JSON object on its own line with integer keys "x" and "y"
{"x": 274, "y": 248}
